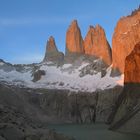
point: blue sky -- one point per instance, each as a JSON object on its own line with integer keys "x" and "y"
{"x": 25, "y": 25}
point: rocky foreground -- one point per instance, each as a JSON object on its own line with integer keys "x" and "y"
{"x": 25, "y": 113}
{"x": 19, "y": 117}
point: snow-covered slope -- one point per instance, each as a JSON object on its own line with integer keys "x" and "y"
{"x": 68, "y": 76}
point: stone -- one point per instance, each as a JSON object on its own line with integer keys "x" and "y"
{"x": 96, "y": 44}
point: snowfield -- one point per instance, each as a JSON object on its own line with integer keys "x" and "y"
{"x": 65, "y": 77}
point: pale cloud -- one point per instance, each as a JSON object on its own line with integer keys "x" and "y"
{"x": 30, "y": 21}
{"x": 26, "y": 21}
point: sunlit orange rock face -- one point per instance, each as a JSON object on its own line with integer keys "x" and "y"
{"x": 125, "y": 37}
{"x": 74, "y": 41}
{"x": 96, "y": 44}
{"x": 132, "y": 66}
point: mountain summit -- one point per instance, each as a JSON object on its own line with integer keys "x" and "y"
{"x": 74, "y": 40}
{"x": 52, "y": 53}
{"x": 96, "y": 44}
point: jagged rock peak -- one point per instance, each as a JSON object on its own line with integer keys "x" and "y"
{"x": 74, "y": 40}
{"x": 96, "y": 44}
{"x": 74, "y": 23}
{"x": 51, "y": 46}
{"x": 135, "y": 11}
{"x": 132, "y": 67}
{"x": 91, "y": 26}
{"x": 125, "y": 37}
{"x": 52, "y": 53}
{"x": 98, "y": 27}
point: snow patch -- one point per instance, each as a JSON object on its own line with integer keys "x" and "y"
{"x": 1, "y": 63}
{"x": 121, "y": 80}
{"x": 66, "y": 66}
{"x": 57, "y": 78}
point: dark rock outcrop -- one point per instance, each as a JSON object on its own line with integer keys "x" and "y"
{"x": 52, "y": 53}
{"x": 96, "y": 44}
{"x": 127, "y": 110}
{"x": 70, "y": 107}
{"x": 61, "y": 106}
{"x": 37, "y": 75}
{"x": 94, "y": 67}
{"x": 125, "y": 37}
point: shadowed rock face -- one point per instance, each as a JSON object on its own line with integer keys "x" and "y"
{"x": 61, "y": 106}
{"x": 74, "y": 41}
{"x": 66, "y": 106}
{"x": 19, "y": 118}
{"x": 125, "y": 37}
{"x": 52, "y": 53}
{"x": 96, "y": 44}
{"x": 126, "y": 117}
{"x": 132, "y": 66}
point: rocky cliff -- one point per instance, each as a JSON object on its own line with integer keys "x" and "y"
{"x": 96, "y": 44}
{"x": 19, "y": 116}
{"x": 132, "y": 67}
{"x": 125, "y": 37}
{"x": 52, "y": 53}
{"x": 74, "y": 40}
{"x": 78, "y": 107}
{"x": 127, "y": 113}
